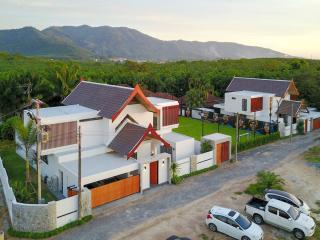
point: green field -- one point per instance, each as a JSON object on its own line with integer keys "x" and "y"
{"x": 193, "y": 128}
{"x": 15, "y": 167}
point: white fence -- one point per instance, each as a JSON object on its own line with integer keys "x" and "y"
{"x": 8, "y": 192}
{"x": 67, "y": 210}
{"x": 203, "y": 160}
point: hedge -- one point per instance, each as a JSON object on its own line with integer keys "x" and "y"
{"x": 179, "y": 179}
{"x": 41, "y": 235}
{"x": 259, "y": 141}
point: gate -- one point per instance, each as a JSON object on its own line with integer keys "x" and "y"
{"x": 114, "y": 191}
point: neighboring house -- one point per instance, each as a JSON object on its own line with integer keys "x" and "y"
{"x": 121, "y": 141}
{"x": 268, "y": 101}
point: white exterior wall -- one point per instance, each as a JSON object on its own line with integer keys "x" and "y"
{"x": 145, "y": 176}
{"x": 144, "y": 150}
{"x": 182, "y": 149}
{"x": 162, "y": 171}
{"x": 138, "y": 112}
{"x": 93, "y": 132}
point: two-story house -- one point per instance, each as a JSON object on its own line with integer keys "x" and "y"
{"x": 268, "y": 101}
{"x": 123, "y": 149}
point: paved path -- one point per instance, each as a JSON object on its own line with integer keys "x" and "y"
{"x": 160, "y": 200}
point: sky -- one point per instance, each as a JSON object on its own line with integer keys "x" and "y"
{"x": 289, "y": 26}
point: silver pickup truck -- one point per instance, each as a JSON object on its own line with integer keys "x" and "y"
{"x": 281, "y": 215}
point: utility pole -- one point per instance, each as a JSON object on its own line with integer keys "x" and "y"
{"x": 237, "y": 133}
{"x": 291, "y": 122}
{"x": 79, "y": 176}
{"x": 39, "y": 140}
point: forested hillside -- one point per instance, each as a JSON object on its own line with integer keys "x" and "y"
{"x": 52, "y": 80}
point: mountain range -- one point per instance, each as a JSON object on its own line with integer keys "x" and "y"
{"x": 84, "y": 42}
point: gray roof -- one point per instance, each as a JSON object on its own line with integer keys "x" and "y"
{"x": 277, "y": 87}
{"x": 107, "y": 99}
{"x": 286, "y": 107}
{"x": 127, "y": 138}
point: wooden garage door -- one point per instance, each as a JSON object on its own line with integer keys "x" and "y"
{"x": 113, "y": 191}
{"x": 316, "y": 124}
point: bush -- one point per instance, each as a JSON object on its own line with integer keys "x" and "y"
{"x": 259, "y": 141}
{"x": 179, "y": 179}
{"x": 265, "y": 180}
{"x": 300, "y": 127}
{"x": 7, "y": 129}
{"x": 24, "y": 193}
{"x": 206, "y": 147}
{"x": 41, "y": 235}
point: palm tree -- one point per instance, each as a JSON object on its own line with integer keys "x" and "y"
{"x": 67, "y": 76}
{"x": 27, "y": 136}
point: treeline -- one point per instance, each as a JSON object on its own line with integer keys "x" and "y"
{"x": 51, "y": 80}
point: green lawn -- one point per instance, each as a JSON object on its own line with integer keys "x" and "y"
{"x": 313, "y": 154}
{"x": 192, "y": 127}
{"x": 15, "y": 167}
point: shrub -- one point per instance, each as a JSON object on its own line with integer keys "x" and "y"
{"x": 24, "y": 193}
{"x": 7, "y": 129}
{"x": 265, "y": 180}
{"x": 300, "y": 127}
{"x": 206, "y": 147}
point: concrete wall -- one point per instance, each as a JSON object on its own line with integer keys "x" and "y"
{"x": 7, "y": 190}
{"x": 42, "y": 217}
{"x": 34, "y": 217}
{"x": 93, "y": 132}
{"x": 200, "y": 161}
{"x": 163, "y": 171}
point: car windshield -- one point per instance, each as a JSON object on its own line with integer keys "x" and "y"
{"x": 243, "y": 222}
{"x": 294, "y": 213}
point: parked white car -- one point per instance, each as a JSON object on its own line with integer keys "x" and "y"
{"x": 233, "y": 224}
{"x": 288, "y": 198}
{"x": 281, "y": 215}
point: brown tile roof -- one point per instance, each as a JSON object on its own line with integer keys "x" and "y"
{"x": 130, "y": 137}
{"x": 127, "y": 138}
{"x": 107, "y": 99}
{"x": 286, "y": 107}
{"x": 277, "y": 87}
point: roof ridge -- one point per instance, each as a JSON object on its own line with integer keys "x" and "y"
{"x": 267, "y": 79}
{"x": 108, "y": 85}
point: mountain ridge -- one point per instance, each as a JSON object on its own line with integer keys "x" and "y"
{"x": 120, "y": 42}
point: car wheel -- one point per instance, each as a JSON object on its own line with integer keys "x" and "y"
{"x": 257, "y": 219}
{"x": 212, "y": 227}
{"x": 245, "y": 238}
{"x": 298, "y": 234}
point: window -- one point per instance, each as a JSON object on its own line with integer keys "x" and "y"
{"x": 256, "y": 104}
{"x": 234, "y": 98}
{"x": 283, "y": 214}
{"x": 232, "y": 223}
{"x": 244, "y": 105}
{"x": 272, "y": 210}
{"x": 155, "y": 122}
{"x": 243, "y": 222}
{"x": 221, "y": 218}
{"x": 44, "y": 159}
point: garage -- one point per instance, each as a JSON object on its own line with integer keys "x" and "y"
{"x": 115, "y": 190}
{"x": 221, "y": 144}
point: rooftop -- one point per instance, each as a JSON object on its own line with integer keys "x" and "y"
{"x": 176, "y": 137}
{"x": 101, "y": 167}
{"x": 216, "y": 137}
{"x": 162, "y": 101}
{"x": 64, "y": 113}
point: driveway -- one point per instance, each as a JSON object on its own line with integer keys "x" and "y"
{"x": 165, "y": 198}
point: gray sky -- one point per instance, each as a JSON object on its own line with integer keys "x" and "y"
{"x": 290, "y": 26}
